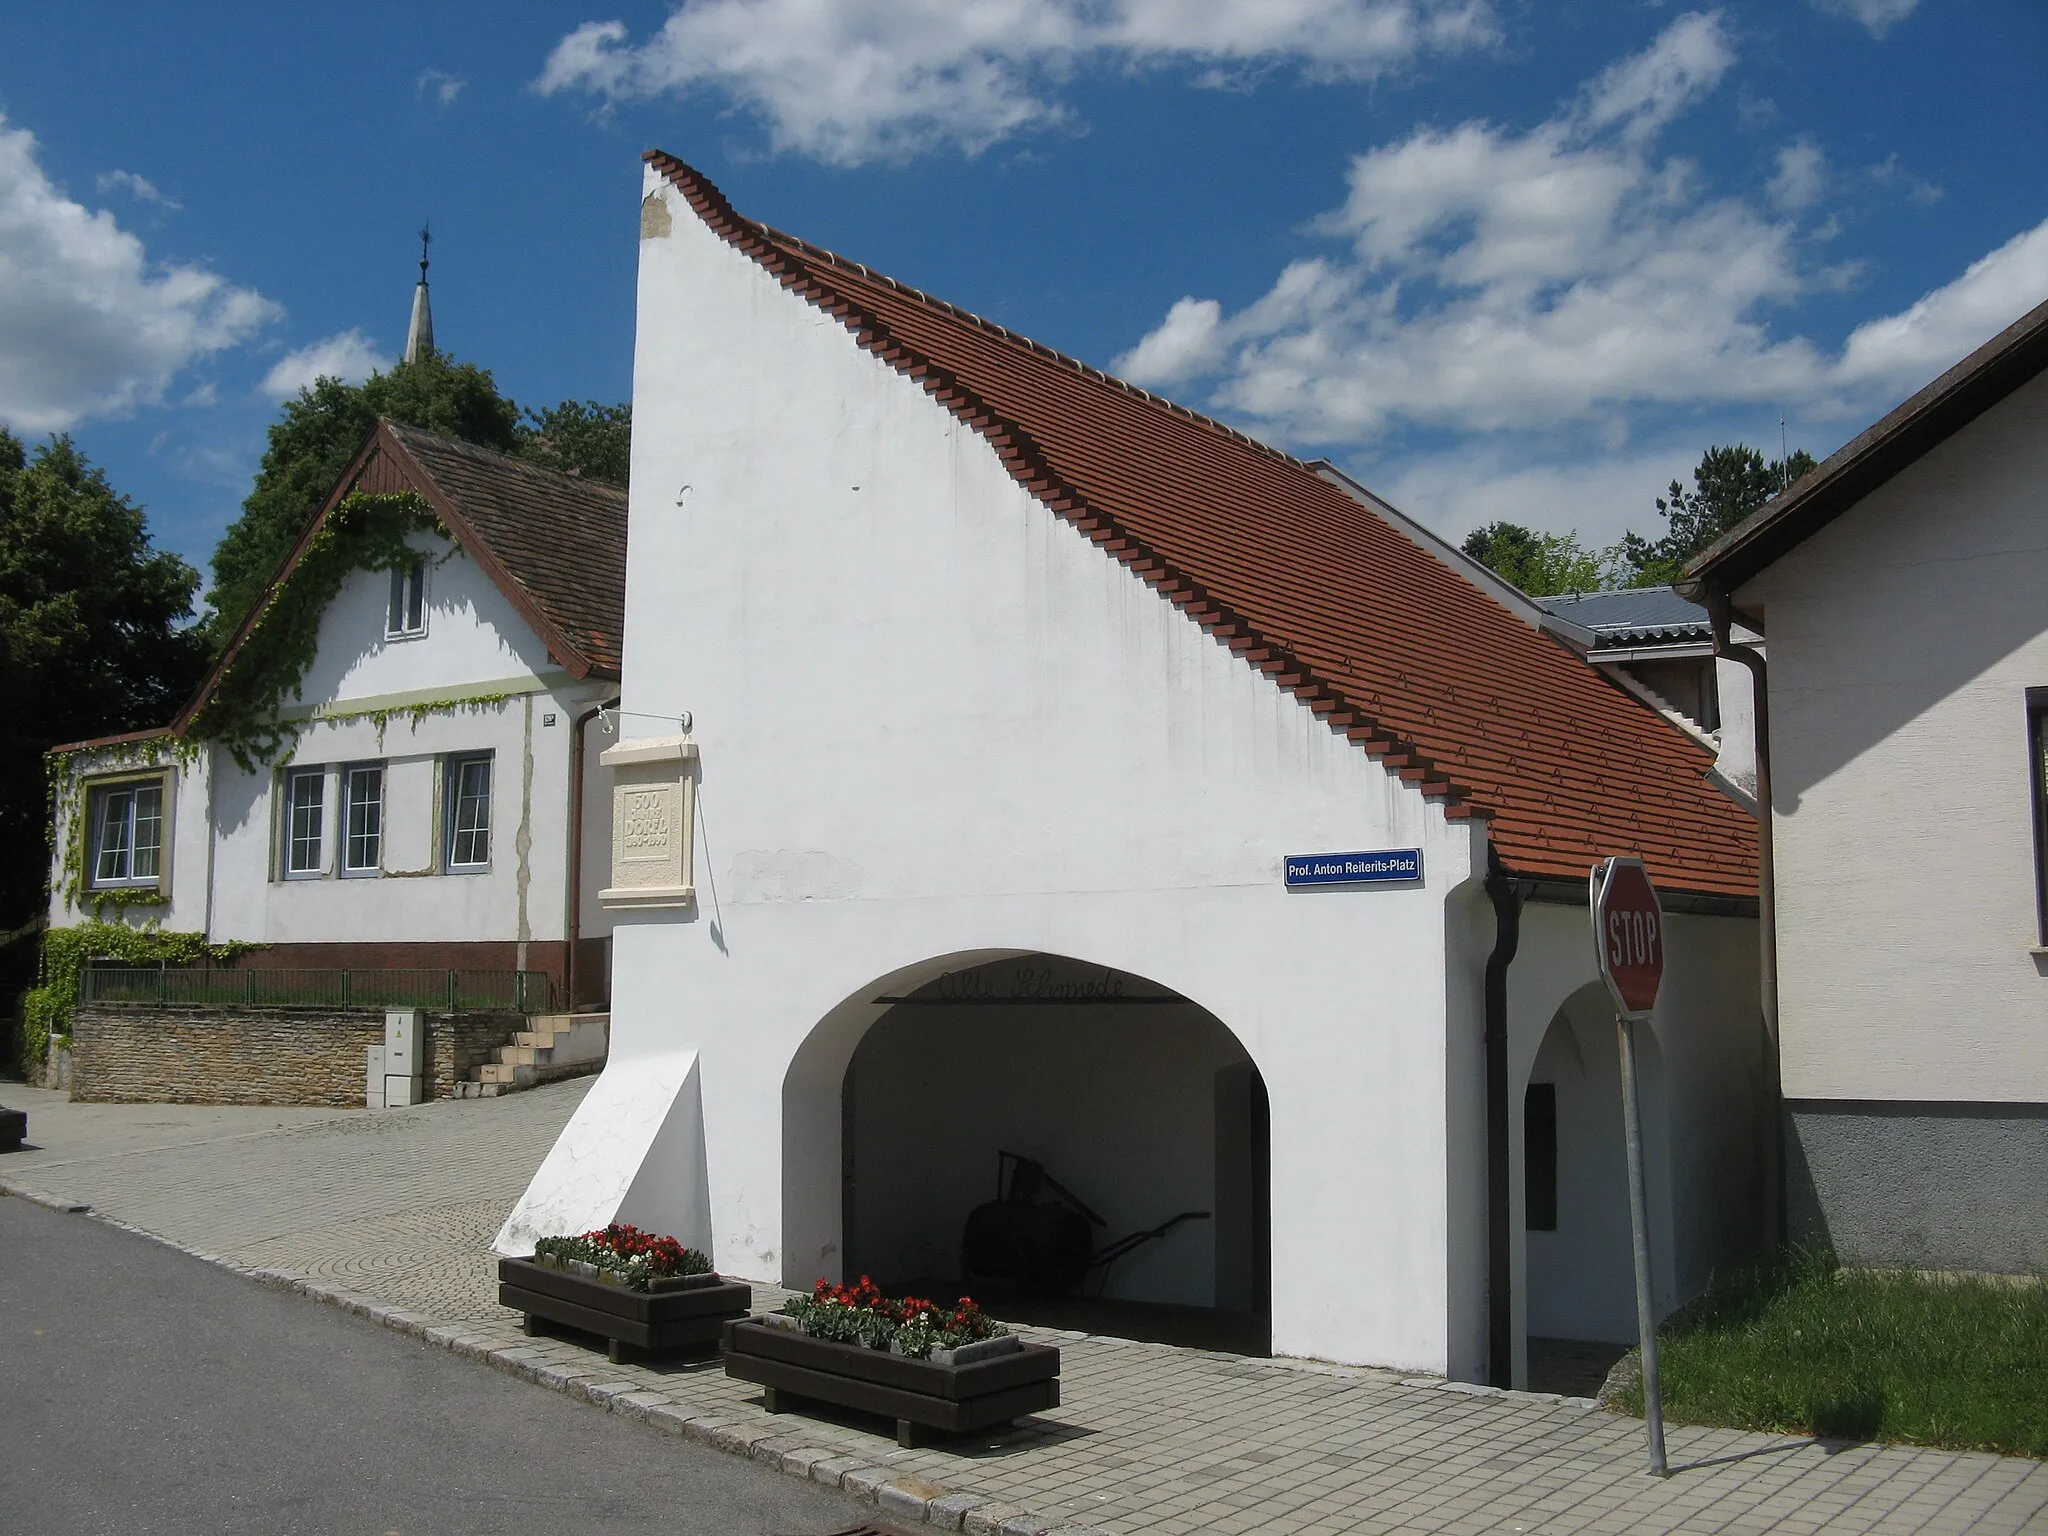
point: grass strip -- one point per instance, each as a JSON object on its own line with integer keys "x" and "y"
{"x": 1802, "y": 1345}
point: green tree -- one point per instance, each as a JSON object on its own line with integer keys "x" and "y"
{"x": 1541, "y": 564}
{"x": 94, "y": 637}
{"x": 1728, "y": 485}
{"x": 581, "y": 437}
{"x": 311, "y": 444}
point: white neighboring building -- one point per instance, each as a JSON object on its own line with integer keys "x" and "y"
{"x": 1900, "y": 586}
{"x": 1013, "y": 691}
{"x": 427, "y": 813}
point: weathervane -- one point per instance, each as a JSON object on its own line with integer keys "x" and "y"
{"x": 426, "y": 239}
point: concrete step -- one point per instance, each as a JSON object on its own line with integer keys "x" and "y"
{"x": 587, "y": 1039}
{"x": 554, "y": 1046}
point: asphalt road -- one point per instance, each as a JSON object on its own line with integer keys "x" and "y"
{"x": 142, "y": 1390}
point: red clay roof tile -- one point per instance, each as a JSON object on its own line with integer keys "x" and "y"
{"x": 1430, "y": 674}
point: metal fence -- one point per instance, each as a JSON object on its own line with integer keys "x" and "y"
{"x": 367, "y": 989}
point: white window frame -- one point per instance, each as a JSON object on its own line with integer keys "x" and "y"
{"x": 106, "y": 793}
{"x": 405, "y": 613}
{"x": 455, "y": 770}
{"x": 293, "y": 841}
{"x": 348, "y": 834}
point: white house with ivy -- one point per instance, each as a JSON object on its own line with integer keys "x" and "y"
{"x": 388, "y": 766}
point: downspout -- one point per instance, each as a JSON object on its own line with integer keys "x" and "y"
{"x": 1719, "y": 612}
{"x": 574, "y": 925}
{"x": 1500, "y": 1310}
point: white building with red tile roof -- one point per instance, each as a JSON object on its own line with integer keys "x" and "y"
{"x": 1019, "y": 703}
{"x": 422, "y": 808}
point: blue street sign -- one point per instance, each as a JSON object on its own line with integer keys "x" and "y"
{"x": 1384, "y": 866}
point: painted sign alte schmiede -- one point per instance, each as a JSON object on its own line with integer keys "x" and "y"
{"x": 1382, "y": 866}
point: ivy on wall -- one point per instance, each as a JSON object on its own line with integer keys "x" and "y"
{"x": 68, "y": 819}
{"x": 365, "y": 532}
{"x": 46, "y": 1008}
{"x": 413, "y": 714}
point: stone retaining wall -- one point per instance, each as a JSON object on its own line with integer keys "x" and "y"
{"x": 196, "y": 1055}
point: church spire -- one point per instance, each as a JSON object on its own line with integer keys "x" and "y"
{"x": 419, "y": 338}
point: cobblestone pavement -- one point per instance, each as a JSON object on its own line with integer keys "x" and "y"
{"x": 391, "y": 1213}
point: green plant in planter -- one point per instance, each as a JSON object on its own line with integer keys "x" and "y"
{"x": 910, "y": 1325}
{"x": 635, "y": 1257}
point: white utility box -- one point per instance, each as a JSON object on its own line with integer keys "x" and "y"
{"x": 405, "y": 1041}
{"x": 400, "y": 1091}
{"x": 402, "y": 1061}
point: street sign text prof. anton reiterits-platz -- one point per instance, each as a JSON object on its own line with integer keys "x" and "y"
{"x": 1382, "y": 866}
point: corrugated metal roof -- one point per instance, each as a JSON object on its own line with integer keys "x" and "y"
{"x": 1635, "y": 616}
{"x": 1427, "y": 673}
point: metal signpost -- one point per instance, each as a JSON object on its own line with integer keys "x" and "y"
{"x": 1628, "y": 938}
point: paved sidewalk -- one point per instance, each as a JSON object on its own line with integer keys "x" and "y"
{"x": 390, "y": 1212}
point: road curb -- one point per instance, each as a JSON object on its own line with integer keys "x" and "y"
{"x": 899, "y": 1495}
{"x": 38, "y": 1197}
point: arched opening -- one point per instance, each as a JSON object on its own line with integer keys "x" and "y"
{"x": 1072, "y": 1145}
{"x": 1581, "y": 1277}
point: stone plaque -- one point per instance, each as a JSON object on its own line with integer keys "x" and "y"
{"x": 651, "y": 823}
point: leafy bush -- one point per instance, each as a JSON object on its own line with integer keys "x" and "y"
{"x": 1802, "y": 1345}
{"x": 911, "y": 1325}
{"x": 635, "y": 1256}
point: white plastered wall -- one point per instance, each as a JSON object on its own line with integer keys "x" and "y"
{"x": 226, "y": 831}
{"x": 1904, "y": 637}
{"x": 186, "y": 788}
{"x": 936, "y": 725}
{"x": 475, "y": 645}
{"x": 1700, "y": 1063}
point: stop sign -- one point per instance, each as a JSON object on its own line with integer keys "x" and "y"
{"x": 1628, "y": 935}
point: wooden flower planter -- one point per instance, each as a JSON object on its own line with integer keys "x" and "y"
{"x": 688, "y": 1318}
{"x": 917, "y": 1394}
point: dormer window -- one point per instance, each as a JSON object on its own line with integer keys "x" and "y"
{"x": 408, "y": 612}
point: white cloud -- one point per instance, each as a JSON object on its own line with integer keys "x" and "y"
{"x": 848, "y": 81}
{"x": 1185, "y": 345}
{"x": 1501, "y": 280}
{"x": 1563, "y": 277}
{"x": 1598, "y": 499}
{"x": 1880, "y": 16}
{"x": 1643, "y": 93}
{"x": 444, "y": 86}
{"x": 1802, "y": 176}
{"x": 348, "y": 355}
{"x": 1889, "y": 173}
{"x": 88, "y": 325}
{"x": 138, "y": 187}
{"x": 1904, "y": 351}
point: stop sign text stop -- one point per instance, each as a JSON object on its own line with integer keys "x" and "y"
{"x": 1628, "y": 934}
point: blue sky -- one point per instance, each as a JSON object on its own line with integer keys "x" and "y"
{"x": 1499, "y": 259}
